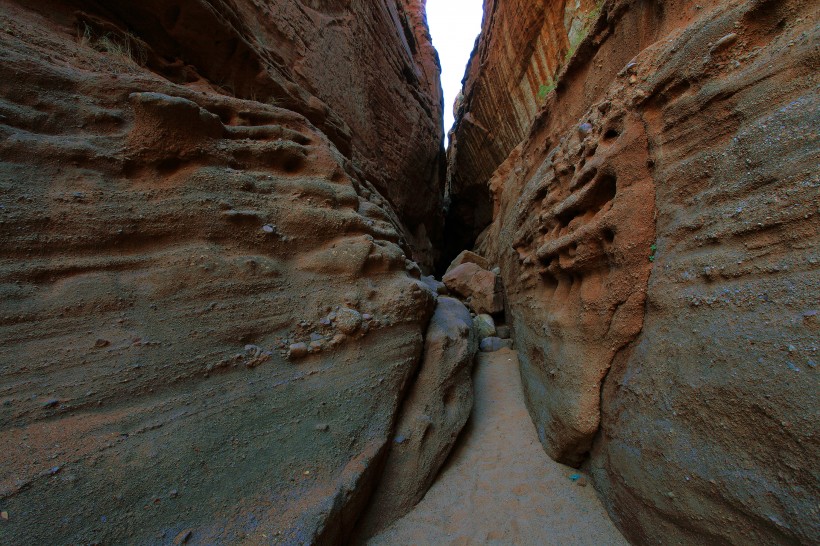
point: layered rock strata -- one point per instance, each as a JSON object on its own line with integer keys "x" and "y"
{"x": 513, "y": 67}
{"x": 657, "y": 233}
{"x": 189, "y": 190}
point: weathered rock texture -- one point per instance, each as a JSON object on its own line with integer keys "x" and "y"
{"x": 515, "y": 63}
{"x": 657, "y": 230}
{"x": 481, "y": 289}
{"x": 432, "y": 417}
{"x": 188, "y": 188}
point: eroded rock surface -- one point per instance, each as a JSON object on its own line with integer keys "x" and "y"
{"x": 434, "y": 413}
{"x": 480, "y": 288}
{"x": 190, "y": 190}
{"x": 657, "y": 232}
{"x": 514, "y": 66}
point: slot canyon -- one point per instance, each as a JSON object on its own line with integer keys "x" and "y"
{"x": 248, "y": 296}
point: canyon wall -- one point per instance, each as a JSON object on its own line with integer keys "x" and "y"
{"x": 211, "y": 214}
{"x": 512, "y": 68}
{"x": 656, "y": 226}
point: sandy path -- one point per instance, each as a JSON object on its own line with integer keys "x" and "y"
{"x": 499, "y": 486}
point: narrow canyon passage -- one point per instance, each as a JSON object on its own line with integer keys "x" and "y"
{"x": 499, "y": 486}
{"x": 221, "y": 228}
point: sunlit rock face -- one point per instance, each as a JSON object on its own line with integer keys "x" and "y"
{"x": 656, "y": 229}
{"x": 515, "y": 64}
{"x": 209, "y": 214}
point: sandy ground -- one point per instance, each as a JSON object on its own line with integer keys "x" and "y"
{"x": 499, "y": 486}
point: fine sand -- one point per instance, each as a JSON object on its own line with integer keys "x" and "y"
{"x": 499, "y": 486}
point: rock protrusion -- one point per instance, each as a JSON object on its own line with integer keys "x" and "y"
{"x": 484, "y": 325}
{"x": 468, "y": 256}
{"x": 482, "y": 289}
{"x": 493, "y": 344}
{"x": 434, "y": 413}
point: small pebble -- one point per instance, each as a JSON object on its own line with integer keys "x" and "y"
{"x": 726, "y": 41}
{"x": 298, "y": 350}
{"x": 183, "y": 537}
{"x": 322, "y": 427}
{"x": 348, "y": 320}
{"x": 268, "y": 228}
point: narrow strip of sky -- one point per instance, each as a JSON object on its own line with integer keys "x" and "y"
{"x": 454, "y": 25}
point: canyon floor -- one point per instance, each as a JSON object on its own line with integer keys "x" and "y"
{"x": 499, "y": 486}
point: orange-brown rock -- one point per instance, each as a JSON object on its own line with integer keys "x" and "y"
{"x": 480, "y": 288}
{"x": 189, "y": 189}
{"x": 522, "y": 46}
{"x": 657, "y": 229}
{"x": 467, "y": 256}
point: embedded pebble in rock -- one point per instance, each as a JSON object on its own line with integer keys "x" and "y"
{"x": 298, "y": 350}
{"x": 337, "y": 339}
{"x": 348, "y": 321}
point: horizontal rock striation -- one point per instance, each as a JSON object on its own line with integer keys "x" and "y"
{"x": 656, "y": 229}
{"x": 189, "y": 189}
{"x": 514, "y": 65}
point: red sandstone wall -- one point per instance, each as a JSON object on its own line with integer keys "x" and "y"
{"x": 656, "y": 232}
